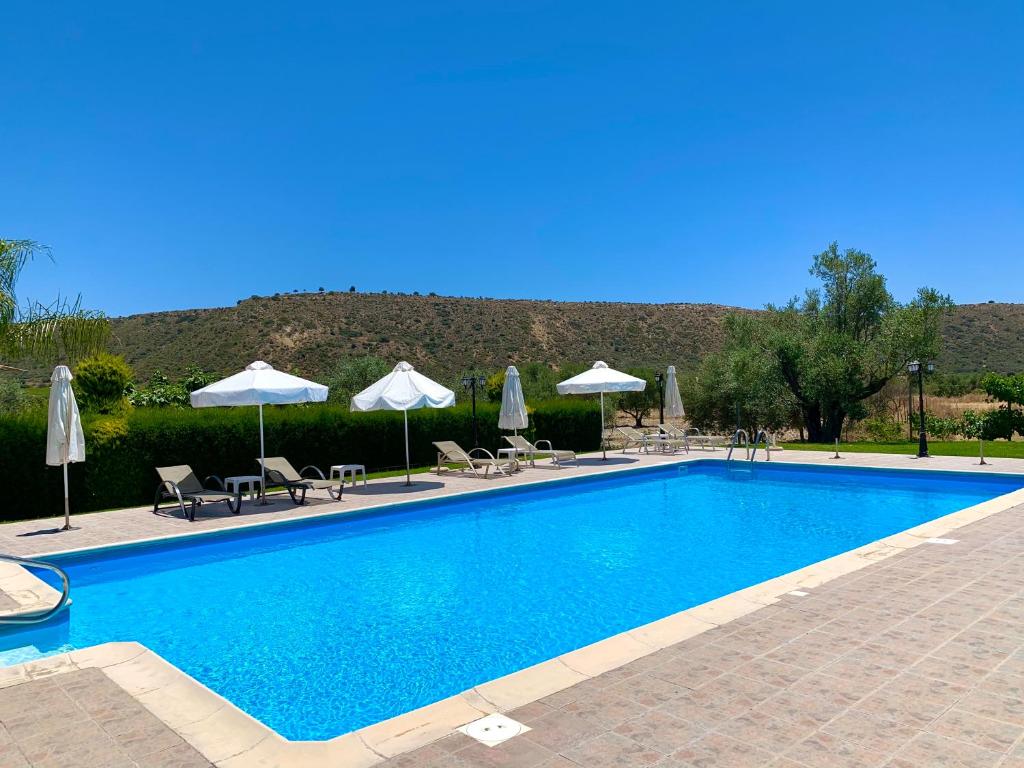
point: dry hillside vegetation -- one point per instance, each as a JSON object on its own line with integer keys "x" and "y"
{"x": 445, "y": 335}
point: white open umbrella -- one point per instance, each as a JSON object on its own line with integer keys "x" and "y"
{"x": 65, "y": 442}
{"x": 259, "y": 384}
{"x": 600, "y": 379}
{"x": 673, "y": 402}
{"x": 513, "y": 406}
{"x": 403, "y": 390}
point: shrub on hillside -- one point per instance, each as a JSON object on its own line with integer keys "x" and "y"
{"x": 160, "y": 391}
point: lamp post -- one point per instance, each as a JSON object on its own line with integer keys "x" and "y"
{"x": 471, "y": 383}
{"x": 915, "y": 366}
{"x": 660, "y": 379}
{"x": 910, "y": 404}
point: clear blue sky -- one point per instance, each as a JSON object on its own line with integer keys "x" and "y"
{"x": 188, "y": 153}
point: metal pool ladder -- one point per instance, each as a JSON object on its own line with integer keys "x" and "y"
{"x": 762, "y": 437}
{"x": 35, "y": 618}
{"x": 736, "y": 441}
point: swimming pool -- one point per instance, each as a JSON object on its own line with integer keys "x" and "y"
{"x": 321, "y": 627}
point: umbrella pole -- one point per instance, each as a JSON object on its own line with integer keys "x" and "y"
{"x": 405, "y": 415}
{"x": 67, "y": 504}
{"x": 263, "y": 457}
{"x": 604, "y": 448}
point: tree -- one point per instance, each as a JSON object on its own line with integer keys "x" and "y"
{"x": 42, "y": 332}
{"x": 353, "y": 375}
{"x": 845, "y": 340}
{"x": 640, "y": 404}
{"x": 1008, "y": 390}
{"x": 739, "y": 378}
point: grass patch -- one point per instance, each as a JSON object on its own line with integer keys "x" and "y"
{"x": 999, "y": 449}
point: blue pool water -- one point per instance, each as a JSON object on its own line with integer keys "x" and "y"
{"x": 320, "y": 628}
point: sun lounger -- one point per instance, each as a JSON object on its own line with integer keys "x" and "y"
{"x": 281, "y": 472}
{"x": 695, "y": 437}
{"x": 181, "y": 484}
{"x": 531, "y": 450}
{"x": 634, "y": 437}
{"x": 449, "y": 452}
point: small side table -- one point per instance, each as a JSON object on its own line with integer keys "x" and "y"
{"x": 341, "y": 470}
{"x": 512, "y": 454}
{"x": 234, "y": 484}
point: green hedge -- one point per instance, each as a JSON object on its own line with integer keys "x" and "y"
{"x": 121, "y": 452}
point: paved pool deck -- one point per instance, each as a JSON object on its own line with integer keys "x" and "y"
{"x": 904, "y": 653}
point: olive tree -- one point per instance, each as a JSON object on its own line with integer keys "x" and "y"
{"x": 843, "y": 341}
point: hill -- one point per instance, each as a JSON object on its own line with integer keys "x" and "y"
{"x": 443, "y": 335}
{"x": 446, "y": 336}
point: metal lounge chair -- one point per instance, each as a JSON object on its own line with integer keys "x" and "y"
{"x": 634, "y": 437}
{"x": 674, "y": 437}
{"x": 449, "y": 452}
{"x": 180, "y": 483}
{"x": 531, "y": 450}
{"x": 695, "y": 438}
{"x": 280, "y": 472}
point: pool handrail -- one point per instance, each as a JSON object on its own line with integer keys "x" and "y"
{"x": 762, "y": 436}
{"x": 38, "y": 616}
{"x": 736, "y": 441}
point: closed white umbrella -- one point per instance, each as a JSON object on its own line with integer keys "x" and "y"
{"x": 513, "y": 406}
{"x": 673, "y": 401}
{"x": 600, "y": 379}
{"x": 403, "y": 390}
{"x": 65, "y": 442}
{"x": 259, "y": 384}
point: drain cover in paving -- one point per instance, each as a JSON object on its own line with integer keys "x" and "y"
{"x": 493, "y": 729}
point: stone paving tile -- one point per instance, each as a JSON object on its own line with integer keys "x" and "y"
{"x": 661, "y": 731}
{"x": 980, "y": 731}
{"x": 929, "y": 749}
{"x": 612, "y": 750}
{"x": 82, "y": 719}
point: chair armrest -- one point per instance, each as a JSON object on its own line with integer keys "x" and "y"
{"x": 217, "y": 480}
{"x": 302, "y": 472}
{"x": 537, "y": 445}
{"x": 169, "y": 488}
{"x": 484, "y": 451}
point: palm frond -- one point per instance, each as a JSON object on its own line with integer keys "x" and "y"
{"x": 62, "y": 330}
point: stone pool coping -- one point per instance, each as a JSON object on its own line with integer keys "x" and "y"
{"x": 229, "y": 737}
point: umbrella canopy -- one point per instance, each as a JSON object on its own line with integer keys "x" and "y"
{"x": 600, "y": 379}
{"x": 513, "y": 406}
{"x": 403, "y": 389}
{"x": 673, "y": 402}
{"x": 65, "y": 441}
{"x": 259, "y": 384}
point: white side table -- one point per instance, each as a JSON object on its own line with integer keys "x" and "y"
{"x": 512, "y": 454}
{"x": 234, "y": 484}
{"x": 341, "y": 470}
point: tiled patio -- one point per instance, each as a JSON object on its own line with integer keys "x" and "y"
{"x": 916, "y": 660}
{"x": 84, "y": 720}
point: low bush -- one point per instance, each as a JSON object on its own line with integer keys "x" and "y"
{"x": 122, "y": 450}
{"x": 101, "y": 382}
{"x": 883, "y": 428}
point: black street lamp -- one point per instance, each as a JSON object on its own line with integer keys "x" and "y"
{"x": 915, "y": 366}
{"x": 471, "y": 383}
{"x": 660, "y": 379}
